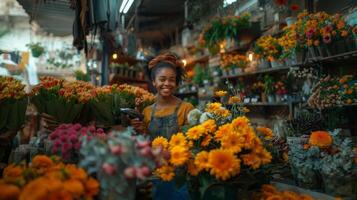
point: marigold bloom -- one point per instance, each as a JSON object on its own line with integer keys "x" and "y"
{"x": 160, "y": 142}
{"x": 201, "y": 160}
{"x": 322, "y": 139}
{"x": 178, "y": 140}
{"x": 179, "y": 155}
{"x": 9, "y": 192}
{"x": 195, "y": 132}
{"x": 221, "y": 93}
{"x": 223, "y": 164}
{"x": 193, "y": 169}
{"x": 166, "y": 172}
{"x": 232, "y": 141}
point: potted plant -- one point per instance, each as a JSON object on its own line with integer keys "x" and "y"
{"x": 281, "y": 91}
{"x": 269, "y": 49}
{"x": 36, "y": 49}
{"x": 269, "y": 88}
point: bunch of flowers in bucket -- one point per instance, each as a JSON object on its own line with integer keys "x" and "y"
{"x": 119, "y": 160}
{"x": 268, "y": 48}
{"x": 237, "y": 60}
{"x": 66, "y": 140}
{"x": 334, "y": 91}
{"x": 47, "y": 178}
{"x": 326, "y": 155}
{"x": 63, "y": 100}
{"x": 216, "y": 154}
{"x": 13, "y": 104}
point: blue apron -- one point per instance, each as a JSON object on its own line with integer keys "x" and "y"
{"x": 166, "y": 126}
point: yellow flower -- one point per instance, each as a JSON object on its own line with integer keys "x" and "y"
{"x": 205, "y": 142}
{"x": 221, "y": 93}
{"x": 210, "y": 126}
{"x": 166, "y": 172}
{"x": 246, "y": 110}
{"x": 160, "y": 142}
{"x": 179, "y": 155}
{"x": 193, "y": 169}
{"x": 195, "y": 132}
{"x": 178, "y": 140}
{"x": 234, "y": 100}
{"x": 322, "y": 139}
{"x": 267, "y": 132}
{"x": 212, "y": 107}
{"x": 222, "y": 130}
{"x": 222, "y": 112}
{"x": 223, "y": 164}
{"x": 259, "y": 156}
{"x": 201, "y": 160}
{"x": 232, "y": 141}
{"x": 240, "y": 122}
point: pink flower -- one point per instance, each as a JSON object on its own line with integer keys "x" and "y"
{"x": 116, "y": 150}
{"x": 142, "y": 144}
{"x": 310, "y": 33}
{"x": 73, "y": 138}
{"x": 130, "y": 172}
{"x": 54, "y": 150}
{"x": 327, "y": 39}
{"x": 53, "y": 135}
{"x": 109, "y": 169}
{"x": 77, "y": 127}
{"x": 145, "y": 171}
{"x": 62, "y": 126}
{"x": 146, "y": 151}
{"x": 100, "y": 130}
{"x": 77, "y": 146}
{"x": 66, "y": 147}
{"x": 72, "y": 132}
{"x": 57, "y": 143}
{"x": 328, "y": 28}
{"x": 63, "y": 138}
{"x": 91, "y": 129}
{"x": 156, "y": 151}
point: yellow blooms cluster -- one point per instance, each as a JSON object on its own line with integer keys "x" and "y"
{"x": 47, "y": 178}
{"x": 215, "y": 149}
{"x": 11, "y": 88}
{"x": 269, "y": 47}
{"x": 233, "y": 59}
{"x": 217, "y": 110}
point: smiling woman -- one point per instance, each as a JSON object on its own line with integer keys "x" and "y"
{"x": 167, "y": 115}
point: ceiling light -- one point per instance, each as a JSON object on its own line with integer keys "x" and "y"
{"x": 115, "y": 56}
{"x": 123, "y": 3}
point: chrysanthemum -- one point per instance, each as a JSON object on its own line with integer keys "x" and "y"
{"x": 232, "y": 141}
{"x": 195, "y": 132}
{"x": 41, "y": 161}
{"x": 222, "y": 130}
{"x": 166, "y": 172}
{"x": 222, "y": 112}
{"x": 210, "y": 126}
{"x": 259, "y": 156}
{"x": 193, "y": 169}
{"x": 201, "y": 160}
{"x": 160, "y": 142}
{"x": 212, "y": 107}
{"x": 240, "y": 122}
{"x": 321, "y": 139}
{"x": 234, "y": 100}
{"x": 223, "y": 164}
{"x": 205, "y": 142}
{"x": 178, "y": 139}
{"x": 179, "y": 155}
{"x": 267, "y": 132}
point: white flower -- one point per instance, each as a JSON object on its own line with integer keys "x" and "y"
{"x": 205, "y": 116}
{"x": 193, "y": 117}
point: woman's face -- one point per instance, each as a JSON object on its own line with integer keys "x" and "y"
{"x": 165, "y": 81}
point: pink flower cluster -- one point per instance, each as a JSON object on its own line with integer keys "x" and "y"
{"x": 144, "y": 150}
{"x": 66, "y": 138}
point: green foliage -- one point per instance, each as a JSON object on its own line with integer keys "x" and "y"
{"x": 305, "y": 122}
{"x": 81, "y": 76}
{"x": 269, "y": 84}
{"x": 201, "y": 74}
{"x": 36, "y": 49}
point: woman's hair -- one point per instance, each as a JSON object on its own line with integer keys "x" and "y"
{"x": 166, "y": 60}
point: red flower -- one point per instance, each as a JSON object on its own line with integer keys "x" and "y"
{"x": 295, "y": 7}
{"x": 281, "y": 2}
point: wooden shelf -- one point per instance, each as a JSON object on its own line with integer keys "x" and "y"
{"x": 261, "y": 71}
{"x": 350, "y": 57}
{"x": 267, "y": 104}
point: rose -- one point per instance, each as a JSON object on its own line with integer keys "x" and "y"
{"x": 109, "y": 169}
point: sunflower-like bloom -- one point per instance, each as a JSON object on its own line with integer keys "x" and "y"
{"x": 179, "y": 155}
{"x": 266, "y": 132}
{"x": 166, "y": 172}
{"x": 160, "y": 142}
{"x": 193, "y": 169}
{"x": 178, "y": 139}
{"x": 201, "y": 160}
{"x": 232, "y": 141}
{"x": 210, "y": 126}
{"x": 223, "y": 164}
{"x": 222, "y": 130}
{"x": 259, "y": 156}
{"x": 195, "y": 132}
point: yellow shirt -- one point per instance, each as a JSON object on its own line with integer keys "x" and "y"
{"x": 182, "y": 113}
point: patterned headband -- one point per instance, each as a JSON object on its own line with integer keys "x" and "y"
{"x": 168, "y": 58}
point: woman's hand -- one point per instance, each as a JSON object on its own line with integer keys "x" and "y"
{"x": 138, "y": 125}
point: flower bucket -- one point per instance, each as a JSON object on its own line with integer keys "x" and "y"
{"x": 314, "y": 52}
{"x": 279, "y": 98}
{"x": 271, "y": 98}
{"x": 263, "y": 64}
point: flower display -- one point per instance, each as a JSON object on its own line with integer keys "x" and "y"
{"x": 280, "y": 88}
{"x": 321, "y": 139}
{"x": 220, "y": 93}
{"x": 120, "y": 158}
{"x": 268, "y": 47}
{"x": 334, "y": 91}
{"x": 229, "y": 60}
{"x": 67, "y": 140}
{"x": 47, "y": 178}
{"x": 143, "y": 98}
{"x": 11, "y": 88}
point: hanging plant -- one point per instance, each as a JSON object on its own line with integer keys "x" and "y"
{"x": 220, "y": 29}
{"x": 36, "y": 49}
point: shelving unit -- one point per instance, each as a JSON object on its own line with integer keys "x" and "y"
{"x": 261, "y": 71}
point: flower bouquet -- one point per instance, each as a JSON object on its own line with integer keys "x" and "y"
{"x": 220, "y": 158}
{"x": 46, "y": 178}
{"x": 269, "y": 49}
{"x": 329, "y": 157}
{"x": 118, "y": 161}
{"x": 13, "y": 104}
{"x": 66, "y": 140}
{"x": 62, "y": 100}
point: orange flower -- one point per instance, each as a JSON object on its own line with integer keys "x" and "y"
{"x": 9, "y": 192}
{"x": 91, "y": 187}
{"x": 42, "y": 162}
{"x": 76, "y": 172}
{"x": 269, "y": 190}
{"x": 74, "y": 187}
{"x": 267, "y": 132}
{"x": 12, "y": 171}
{"x": 321, "y": 139}
{"x": 193, "y": 169}
{"x": 59, "y": 195}
{"x": 316, "y": 43}
{"x": 344, "y": 33}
